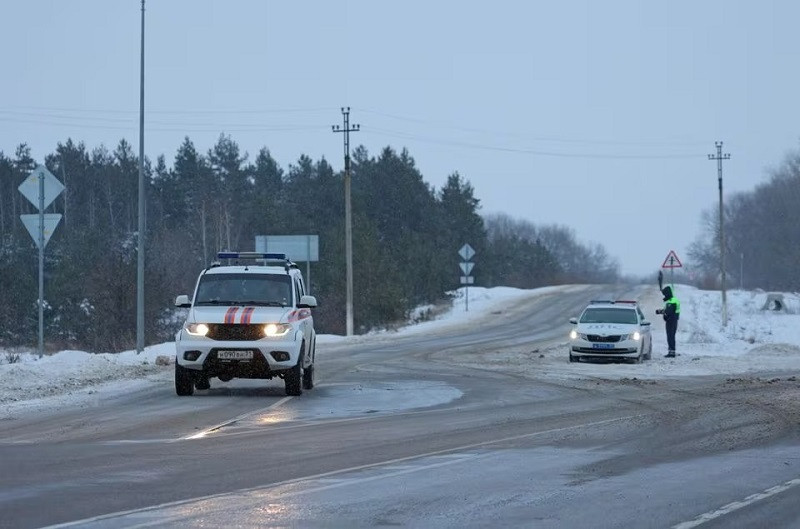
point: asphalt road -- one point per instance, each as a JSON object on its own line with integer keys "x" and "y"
{"x": 397, "y": 434}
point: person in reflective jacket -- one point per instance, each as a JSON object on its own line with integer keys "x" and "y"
{"x": 671, "y": 313}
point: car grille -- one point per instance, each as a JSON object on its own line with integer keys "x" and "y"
{"x": 222, "y": 332}
{"x": 604, "y": 339}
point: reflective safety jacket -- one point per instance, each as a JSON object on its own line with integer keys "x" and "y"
{"x": 672, "y": 307}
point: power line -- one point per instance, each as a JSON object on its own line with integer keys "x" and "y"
{"x": 554, "y": 139}
{"x": 195, "y": 111}
{"x": 192, "y": 127}
{"x": 535, "y": 152}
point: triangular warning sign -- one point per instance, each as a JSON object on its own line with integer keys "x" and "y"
{"x": 672, "y": 260}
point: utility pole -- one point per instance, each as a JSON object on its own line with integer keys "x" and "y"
{"x": 719, "y": 157}
{"x": 348, "y": 218}
{"x": 741, "y": 272}
{"x": 142, "y": 194}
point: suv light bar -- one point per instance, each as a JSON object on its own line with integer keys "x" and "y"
{"x": 252, "y": 255}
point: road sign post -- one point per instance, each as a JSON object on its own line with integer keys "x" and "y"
{"x": 41, "y": 188}
{"x": 304, "y": 248}
{"x": 466, "y": 252}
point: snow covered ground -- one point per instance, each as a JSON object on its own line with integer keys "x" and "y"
{"x": 754, "y": 341}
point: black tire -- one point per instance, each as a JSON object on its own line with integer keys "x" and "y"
{"x": 202, "y": 384}
{"x": 308, "y": 377}
{"x": 293, "y": 380}
{"x": 573, "y": 358}
{"x": 184, "y": 381}
{"x": 649, "y": 355}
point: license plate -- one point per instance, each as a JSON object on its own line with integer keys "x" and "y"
{"x": 235, "y": 355}
{"x": 602, "y": 346}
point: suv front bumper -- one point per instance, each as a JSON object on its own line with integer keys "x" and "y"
{"x": 269, "y": 356}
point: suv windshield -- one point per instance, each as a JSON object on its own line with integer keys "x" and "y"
{"x": 609, "y": 315}
{"x": 244, "y": 289}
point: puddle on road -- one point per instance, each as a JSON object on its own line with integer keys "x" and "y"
{"x": 352, "y": 399}
{"x": 342, "y": 401}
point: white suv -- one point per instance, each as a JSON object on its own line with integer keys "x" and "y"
{"x": 247, "y": 321}
{"x": 611, "y": 329}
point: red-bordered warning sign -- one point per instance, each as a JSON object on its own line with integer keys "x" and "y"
{"x": 672, "y": 260}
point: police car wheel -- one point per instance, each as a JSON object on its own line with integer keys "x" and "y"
{"x": 573, "y": 358}
{"x": 184, "y": 381}
{"x": 293, "y": 380}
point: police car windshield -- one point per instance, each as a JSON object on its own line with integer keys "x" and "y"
{"x": 609, "y": 315}
{"x": 245, "y": 289}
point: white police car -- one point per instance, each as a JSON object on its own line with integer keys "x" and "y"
{"x": 611, "y": 329}
{"x": 247, "y": 320}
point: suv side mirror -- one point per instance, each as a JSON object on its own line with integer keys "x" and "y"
{"x": 573, "y": 321}
{"x": 183, "y": 302}
{"x": 307, "y": 302}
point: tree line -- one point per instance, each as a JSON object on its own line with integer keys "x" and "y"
{"x": 762, "y": 234}
{"x": 406, "y": 235}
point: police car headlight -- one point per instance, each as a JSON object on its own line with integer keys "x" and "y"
{"x": 276, "y": 329}
{"x": 197, "y": 329}
{"x": 573, "y": 334}
{"x": 632, "y": 336}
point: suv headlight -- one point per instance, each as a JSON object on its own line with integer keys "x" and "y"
{"x": 197, "y": 329}
{"x": 274, "y": 330}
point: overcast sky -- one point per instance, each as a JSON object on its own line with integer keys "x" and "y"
{"x": 598, "y": 115}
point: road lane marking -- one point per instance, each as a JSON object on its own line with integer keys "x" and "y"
{"x": 736, "y": 505}
{"x": 205, "y": 432}
{"x": 341, "y": 471}
{"x": 327, "y": 484}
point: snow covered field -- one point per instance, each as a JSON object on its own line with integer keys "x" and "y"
{"x": 754, "y": 341}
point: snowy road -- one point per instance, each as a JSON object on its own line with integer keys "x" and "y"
{"x": 405, "y": 432}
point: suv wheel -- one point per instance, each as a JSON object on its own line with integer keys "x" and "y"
{"x": 308, "y": 377}
{"x": 202, "y": 383}
{"x": 293, "y": 380}
{"x": 184, "y": 381}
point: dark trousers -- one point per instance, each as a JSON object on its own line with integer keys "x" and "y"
{"x": 672, "y": 327}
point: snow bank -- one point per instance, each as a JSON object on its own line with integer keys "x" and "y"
{"x": 72, "y": 375}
